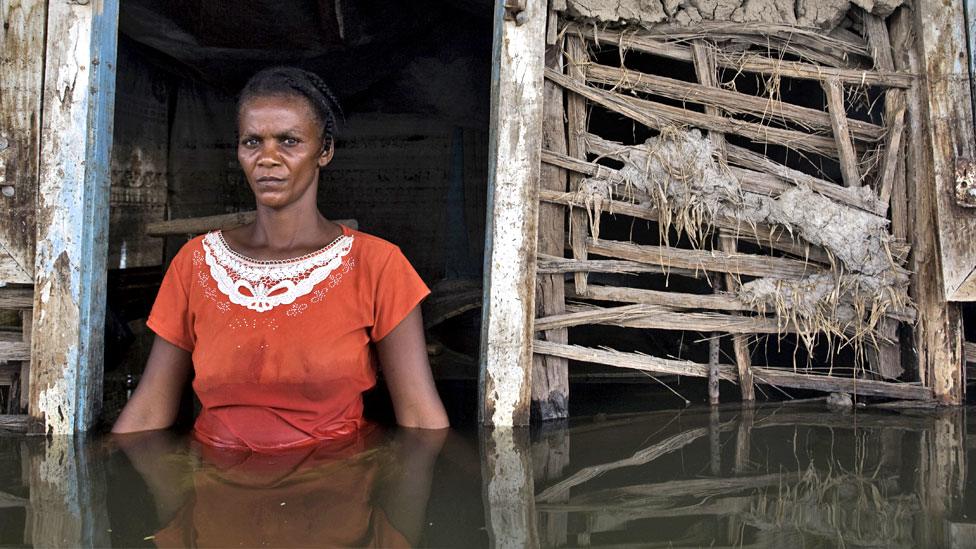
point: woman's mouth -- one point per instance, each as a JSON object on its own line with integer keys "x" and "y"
{"x": 269, "y": 180}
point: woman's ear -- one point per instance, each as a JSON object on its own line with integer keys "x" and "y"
{"x": 327, "y": 151}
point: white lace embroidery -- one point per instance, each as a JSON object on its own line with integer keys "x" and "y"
{"x": 263, "y": 285}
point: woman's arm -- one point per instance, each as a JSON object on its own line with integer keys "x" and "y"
{"x": 403, "y": 357}
{"x": 156, "y": 400}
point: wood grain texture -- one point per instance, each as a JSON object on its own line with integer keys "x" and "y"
{"x": 938, "y": 335}
{"x": 550, "y": 375}
{"x": 21, "y": 83}
{"x": 72, "y": 215}
{"x": 941, "y": 31}
{"x": 842, "y": 133}
{"x": 515, "y": 139}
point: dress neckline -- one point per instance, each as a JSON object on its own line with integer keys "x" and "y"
{"x": 269, "y": 262}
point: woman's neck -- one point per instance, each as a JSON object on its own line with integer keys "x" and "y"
{"x": 284, "y": 233}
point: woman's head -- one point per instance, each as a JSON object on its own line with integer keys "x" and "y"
{"x": 286, "y": 121}
{"x": 292, "y": 81}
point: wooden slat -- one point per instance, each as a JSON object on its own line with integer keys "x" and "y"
{"x": 769, "y": 376}
{"x": 675, "y": 300}
{"x": 709, "y": 261}
{"x": 763, "y": 235}
{"x": 749, "y": 62}
{"x": 653, "y": 317}
{"x": 658, "y": 116}
{"x": 14, "y": 423}
{"x": 16, "y": 298}
{"x": 707, "y": 72}
{"x": 13, "y": 348}
{"x": 553, "y": 265}
{"x": 732, "y": 101}
{"x": 842, "y": 134}
{"x": 550, "y": 376}
{"x": 969, "y": 351}
{"x": 577, "y": 59}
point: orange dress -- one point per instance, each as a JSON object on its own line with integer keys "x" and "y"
{"x": 282, "y": 349}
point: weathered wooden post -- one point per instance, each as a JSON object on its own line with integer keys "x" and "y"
{"x": 510, "y": 250}
{"x": 72, "y": 214}
{"x": 940, "y": 135}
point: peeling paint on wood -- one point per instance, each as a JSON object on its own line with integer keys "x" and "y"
{"x": 72, "y": 215}
{"x": 510, "y": 251}
{"x": 21, "y": 71}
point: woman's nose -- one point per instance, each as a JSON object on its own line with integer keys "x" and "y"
{"x": 268, "y": 156}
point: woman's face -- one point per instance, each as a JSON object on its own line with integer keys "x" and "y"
{"x": 281, "y": 149}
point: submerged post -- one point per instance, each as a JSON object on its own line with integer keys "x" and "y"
{"x": 72, "y": 215}
{"x": 510, "y": 247}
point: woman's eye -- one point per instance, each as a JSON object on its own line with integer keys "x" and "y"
{"x": 249, "y": 142}
{"x": 290, "y": 141}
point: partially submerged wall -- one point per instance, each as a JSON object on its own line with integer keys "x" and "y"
{"x": 749, "y": 178}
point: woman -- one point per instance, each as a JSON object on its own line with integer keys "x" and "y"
{"x": 282, "y": 320}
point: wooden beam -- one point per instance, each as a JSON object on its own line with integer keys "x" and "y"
{"x": 941, "y": 30}
{"x": 939, "y": 333}
{"x": 703, "y": 260}
{"x": 515, "y": 151}
{"x": 842, "y": 133}
{"x": 577, "y": 61}
{"x": 655, "y": 317}
{"x": 21, "y": 84}
{"x": 658, "y": 115}
{"x": 755, "y": 161}
{"x": 550, "y": 375}
{"x": 751, "y": 63}
{"x": 16, "y": 298}
{"x": 733, "y": 101}
{"x": 72, "y": 217}
{"x": 14, "y": 423}
{"x": 770, "y": 376}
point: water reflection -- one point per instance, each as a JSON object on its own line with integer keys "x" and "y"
{"x": 781, "y": 477}
{"x": 766, "y": 477}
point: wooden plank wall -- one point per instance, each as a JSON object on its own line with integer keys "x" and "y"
{"x": 867, "y": 153}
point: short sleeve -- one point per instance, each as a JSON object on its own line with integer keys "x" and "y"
{"x": 398, "y": 289}
{"x": 170, "y": 316}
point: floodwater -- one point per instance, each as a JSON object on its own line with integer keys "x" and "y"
{"x": 798, "y": 475}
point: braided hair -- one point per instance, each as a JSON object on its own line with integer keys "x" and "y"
{"x": 299, "y": 82}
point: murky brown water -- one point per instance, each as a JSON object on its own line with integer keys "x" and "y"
{"x": 774, "y": 476}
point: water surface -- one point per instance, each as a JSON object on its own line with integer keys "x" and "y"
{"x": 772, "y": 476}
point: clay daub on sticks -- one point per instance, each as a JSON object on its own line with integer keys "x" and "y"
{"x": 680, "y": 176}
